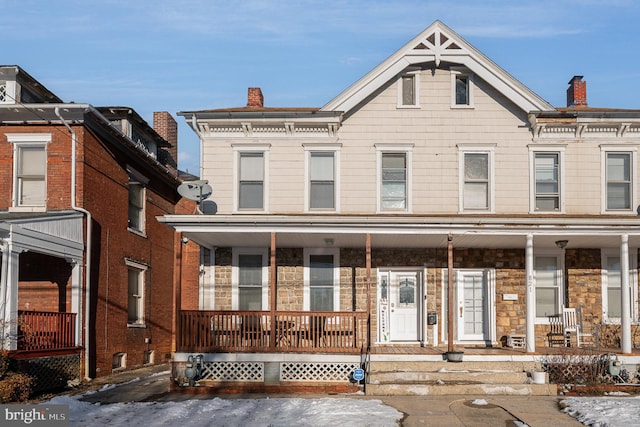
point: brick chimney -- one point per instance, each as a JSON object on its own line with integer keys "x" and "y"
{"x": 577, "y": 93}
{"x": 166, "y": 126}
{"x": 255, "y": 98}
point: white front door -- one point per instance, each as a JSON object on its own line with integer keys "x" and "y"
{"x": 404, "y": 305}
{"x": 472, "y": 305}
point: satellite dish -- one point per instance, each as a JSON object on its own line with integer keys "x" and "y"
{"x": 195, "y": 190}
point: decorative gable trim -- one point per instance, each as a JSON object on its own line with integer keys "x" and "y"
{"x": 438, "y": 44}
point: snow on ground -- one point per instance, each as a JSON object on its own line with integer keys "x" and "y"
{"x": 611, "y": 411}
{"x": 234, "y": 412}
{"x": 604, "y": 411}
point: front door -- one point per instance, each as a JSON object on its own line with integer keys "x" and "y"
{"x": 404, "y": 305}
{"x": 472, "y": 305}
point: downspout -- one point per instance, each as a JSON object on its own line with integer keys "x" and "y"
{"x": 87, "y": 279}
{"x": 3, "y": 288}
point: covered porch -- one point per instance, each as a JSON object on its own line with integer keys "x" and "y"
{"x": 378, "y": 240}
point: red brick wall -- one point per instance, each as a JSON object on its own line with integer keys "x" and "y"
{"x": 102, "y": 189}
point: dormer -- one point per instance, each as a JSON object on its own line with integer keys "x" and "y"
{"x": 18, "y": 87}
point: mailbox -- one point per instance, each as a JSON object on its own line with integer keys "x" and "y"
{"x": 432, "y": 318}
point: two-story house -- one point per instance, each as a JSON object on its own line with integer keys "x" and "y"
{"x": 435, "y": 203}
{"x": 87, "y": 284}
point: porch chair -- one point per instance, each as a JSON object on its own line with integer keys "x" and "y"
{"x": 252, "y": 331}
{"x": 317, "y": 332}
{"x": 556, "y": 335}
{"x": 572, "y": 322}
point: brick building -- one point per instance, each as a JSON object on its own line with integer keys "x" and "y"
{"x": 88, "y": 272}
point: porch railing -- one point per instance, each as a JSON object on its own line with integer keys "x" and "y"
{"x": 43, "y": 330}
{"x": 261, "y": 331}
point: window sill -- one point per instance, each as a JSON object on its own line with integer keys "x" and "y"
{"x": 28, "y": 209}
{"x": 138, "y": 232}
{"x": 137, "y": 325}
{"x": 462, "y": 107}
{"x": 408, "y": 107}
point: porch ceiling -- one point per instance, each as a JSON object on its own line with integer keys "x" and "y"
{"x": 405, "y": 231}
{"x": 358, "y": 240}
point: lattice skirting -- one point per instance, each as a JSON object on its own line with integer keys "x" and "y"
{"x": 327, "y": 372}
{"x": 52, "y": 372}
{"x": 317, "y": 372}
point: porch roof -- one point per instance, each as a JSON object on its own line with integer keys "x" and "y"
{"x": 391, "y": 231}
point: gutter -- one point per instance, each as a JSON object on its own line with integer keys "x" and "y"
{"x": 87, "y": 280}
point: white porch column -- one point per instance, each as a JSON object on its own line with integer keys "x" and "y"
{"x": 76, "y": 297}
{"x": 530, "y": 343}
{"x": 625, "y": 290}
{"x": 9, "y": 298}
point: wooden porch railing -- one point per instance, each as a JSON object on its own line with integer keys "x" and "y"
{"x": 260, "y": 331}
{"x": 43, "y": 330}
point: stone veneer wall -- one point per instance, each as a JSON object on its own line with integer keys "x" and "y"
{"x": 582, "y": 270}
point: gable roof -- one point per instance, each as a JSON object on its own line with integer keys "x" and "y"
{"x": 438, "y": 43}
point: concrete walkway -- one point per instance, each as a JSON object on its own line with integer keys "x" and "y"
{"x": 152, "y": 384}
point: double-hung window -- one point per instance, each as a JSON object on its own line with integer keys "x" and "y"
{"x": 394, "y": 177}
{"x": 322, "y": 180}
{"x": 476, "y": 177}
{"x": 619, "y": 180}
{"x": 321, "y": 278}
{"x": 30, "y": 170}
{"x": 137, "y": 199}
{"x": 547, "y": 176}
{"x": 612, "y": 285}
{"x": 548, "y": 284}
{"x": 249, "y": 279}
{"x": 322, "y": 164}
{"x": 408, "y": 90}
{"x": 136, "y": 291}
{"x": 461, "y": 88}
{"x": 251, "y": 164}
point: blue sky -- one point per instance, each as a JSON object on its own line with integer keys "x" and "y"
{"x": 162, "y": 55}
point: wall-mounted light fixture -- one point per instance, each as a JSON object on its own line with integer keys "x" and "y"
{"x": 561, "y": 243}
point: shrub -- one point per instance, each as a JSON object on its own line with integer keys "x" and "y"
{"x": 15, "y": 387}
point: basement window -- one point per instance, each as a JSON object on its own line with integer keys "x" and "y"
{"x": 119, "y": 361}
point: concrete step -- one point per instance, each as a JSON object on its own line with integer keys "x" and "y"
{"x": 448, "y": 376}
{"x": 460, "y": 389}
{"x": 433, "y": 366}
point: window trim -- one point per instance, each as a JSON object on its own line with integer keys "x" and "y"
{"x": 633, "y": 284}
{"x": 458, "y": 73}
{"x": 142, "y": 276}
{"x": 560, "y": 280}
{"x": 381, "y": 149}
{"x": 633, "y": 157}
{"x": 235, "y": 275}
{"x": 322, "y": 148}
{"x": 415, "y": 75}
{"x": 546, "y": 149}
{"x": 306, "y": 293}
{"x": 20, "y": 140}
{"x": 253, "y": 148}
{"x": 489, "y": 150}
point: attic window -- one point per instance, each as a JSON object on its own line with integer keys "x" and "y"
{"x": 408, "y": 90}
{"x": 461, "y": 89}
